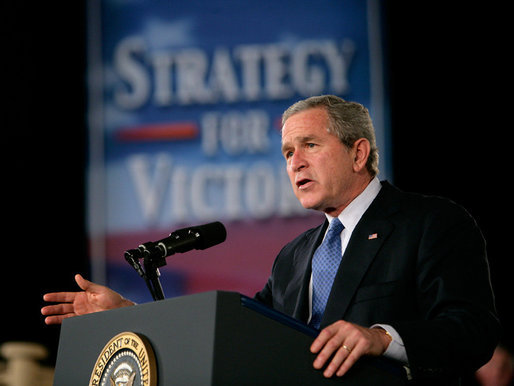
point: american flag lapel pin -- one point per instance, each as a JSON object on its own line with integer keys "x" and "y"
{"x": 373, "y": 236}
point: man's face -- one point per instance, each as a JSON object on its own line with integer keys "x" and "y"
{"x": 319, "y": 166}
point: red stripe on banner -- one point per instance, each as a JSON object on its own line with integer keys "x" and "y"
{"x": 159, "y": 131}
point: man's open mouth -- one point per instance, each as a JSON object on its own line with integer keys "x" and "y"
{"x": 302, "y": 182}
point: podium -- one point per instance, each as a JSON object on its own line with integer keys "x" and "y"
{"x": 212, "y": 338}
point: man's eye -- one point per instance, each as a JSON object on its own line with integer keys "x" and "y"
{"x": 288, "y": 154}
{"x": 311, "y": 145}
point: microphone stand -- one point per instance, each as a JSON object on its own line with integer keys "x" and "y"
{"x": 153, "y": 274}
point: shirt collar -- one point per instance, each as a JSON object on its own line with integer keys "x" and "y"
{"x": 351, "y": 215}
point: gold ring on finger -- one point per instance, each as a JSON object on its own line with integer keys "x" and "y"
{"x": 347, "y": 348}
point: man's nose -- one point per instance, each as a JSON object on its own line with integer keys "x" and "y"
{"x": 297, "y": 161}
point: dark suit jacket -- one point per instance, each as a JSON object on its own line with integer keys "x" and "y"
{"x": 426, "y": 274}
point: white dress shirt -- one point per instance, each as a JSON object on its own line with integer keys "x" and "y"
{"x": 349, "y": 217}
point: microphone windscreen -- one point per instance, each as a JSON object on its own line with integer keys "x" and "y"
{"x": 210, "y": 234}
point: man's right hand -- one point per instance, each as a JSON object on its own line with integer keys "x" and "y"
{"x": 93, "y": 298}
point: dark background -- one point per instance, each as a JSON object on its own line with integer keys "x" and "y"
{"x": 446, "y": 75}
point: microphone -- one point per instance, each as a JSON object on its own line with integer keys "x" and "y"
{"x": 182, "y": 240}
{"x": 154, "y": 253}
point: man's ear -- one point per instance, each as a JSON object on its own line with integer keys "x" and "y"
{"x": 361, "y": 149}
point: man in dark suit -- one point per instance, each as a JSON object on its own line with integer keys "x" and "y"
{"x": 409, "y": 274}
{"x": 413, "y": 266}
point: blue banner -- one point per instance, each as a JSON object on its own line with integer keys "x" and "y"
{"x": 185, "y": 101}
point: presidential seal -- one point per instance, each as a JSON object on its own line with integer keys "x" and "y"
{"x": 127, "y": 360}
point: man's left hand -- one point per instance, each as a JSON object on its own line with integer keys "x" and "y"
{"x": 346, "y": 342}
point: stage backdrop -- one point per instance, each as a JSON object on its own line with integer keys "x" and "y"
{"x": 185, "y": 100}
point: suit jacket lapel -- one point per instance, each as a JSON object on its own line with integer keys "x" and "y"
{"x": 300, "y": 283}
{"x": 358, "y": 256}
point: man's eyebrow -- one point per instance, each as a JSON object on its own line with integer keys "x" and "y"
{"x": 308, "y": 138}
{"x": 303, "y": 139}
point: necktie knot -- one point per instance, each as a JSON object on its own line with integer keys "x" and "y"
{"x": 335, "y": 227}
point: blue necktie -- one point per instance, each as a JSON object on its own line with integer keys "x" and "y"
{"x": 325, "y": 264}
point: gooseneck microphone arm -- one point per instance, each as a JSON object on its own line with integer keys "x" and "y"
{"x": 154, "y": 253}
{"x": 152, "y": 279}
